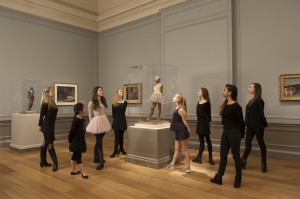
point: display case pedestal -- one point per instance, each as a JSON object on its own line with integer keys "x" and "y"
{"x": 150, "y": 147}
{"x": 25, "y": 135}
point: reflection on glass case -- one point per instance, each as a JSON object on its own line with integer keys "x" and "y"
{"x": 147, "y": 75}
{"x": 26, "y": 96}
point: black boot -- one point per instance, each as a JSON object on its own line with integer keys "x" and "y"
{"x": 217, "y": 179}
{"x": 264, "y": 165}
{"x": 121, "y": 146}
{"x": 244, "y": 163}
{"x": 115, "y": 153}
{"x": 43, "y": 153}
{"x": 54, "y": 159}
{"x": 198, "y": 159}
{"x": 100, "y": 158}
{"x": 237, "y": 181}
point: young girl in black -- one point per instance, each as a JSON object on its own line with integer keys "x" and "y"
{"x": 77, "y": 141}
{"x": 119, "y": 124}
{"x": 255, "y": 122}
{"x": 182, "y": 131}
{"x": 203, "y": 127}
{"x": 233, "y": 130}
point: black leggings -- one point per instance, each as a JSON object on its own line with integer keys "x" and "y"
{"x": 201, "y": 146}
{"x": 231, "y": 138}
{"x": 259, "y": 133}
{"x": 119, "y": 137}
{"x": 77, "y": 157}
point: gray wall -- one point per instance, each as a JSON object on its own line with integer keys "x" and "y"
{"x": 213, "y": 43}
{"x": 42, "y": 52}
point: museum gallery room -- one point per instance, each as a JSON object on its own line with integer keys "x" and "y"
{"x": 150, "y": 99}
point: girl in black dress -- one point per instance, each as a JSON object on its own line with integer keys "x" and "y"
{"x": 77, "y": 141}
{"x": 119, "y": 122}
{"x": 203, "y": 126}
{"x": 182, "y": 131}
{"x": 256, "y": 123}
{"x": 46, "y": 125}
{"x": 233, "y": 130}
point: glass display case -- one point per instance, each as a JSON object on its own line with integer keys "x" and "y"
{"x": 146, "y": 74}
{"x": 20, "y": 98}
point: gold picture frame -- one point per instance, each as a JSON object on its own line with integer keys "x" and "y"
{"x": 289, "y": 86}
{"x": 65, "y": 94}
{"x": 133, "y": 93}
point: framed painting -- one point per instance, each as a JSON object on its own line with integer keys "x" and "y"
{"x": 289, "y": 86}
{"x": 133, "y": 93}
{"x": 65, "y": 94}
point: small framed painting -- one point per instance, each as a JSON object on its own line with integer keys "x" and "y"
{"x": 133, "y": 93}
{"x": 289, "y": 86}
{"x": 65, "y": 94}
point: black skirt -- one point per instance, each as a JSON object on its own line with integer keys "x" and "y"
{"x": 49, "y": 137}
{"x": 181, "y": 135}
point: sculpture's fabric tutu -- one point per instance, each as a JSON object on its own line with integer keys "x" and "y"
{"x": 157, "y": 98}
{"x": 98, "y": 124}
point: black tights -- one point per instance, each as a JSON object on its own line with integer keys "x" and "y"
{"x": 259, "y": 133}
{"x": 201, "y": 146}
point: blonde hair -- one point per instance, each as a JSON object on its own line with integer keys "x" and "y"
{"x": 116, "y": 98}
{"x": 182, "y": 101}
{"x": 46, "y": 99}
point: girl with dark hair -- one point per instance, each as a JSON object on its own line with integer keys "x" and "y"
{"x": 47, "y": 120}
{"x": 255, "y": 122}
{"x": 182, "y": 131}
{"x": 203, "y": 127}
{"x": 233, "y": 130}
{"x": 98, "y": 124}
{"x": 77, "y": 141}
{"x": 119, "y": 124}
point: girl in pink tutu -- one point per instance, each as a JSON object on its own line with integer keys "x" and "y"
{"x": 99, "y": 123}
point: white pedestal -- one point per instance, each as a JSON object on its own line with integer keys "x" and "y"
{"x": 24, "y": 131}
{"x": 150, "y": 147}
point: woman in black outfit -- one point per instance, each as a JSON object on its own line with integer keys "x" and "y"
{"x": 119, "y": 122}
{"x": 233, "y": 131}
{"x": 46, "y": 125}
{"x": 203, "y": 126}
{"x": 77, "y": 141}
{"x": 255, "y": 122}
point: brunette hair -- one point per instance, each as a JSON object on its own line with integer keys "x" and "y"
{"x": 95, "y": 100}
{"x": 116, "y": 98}
{"x": 205, "y": 94}
{"x": 77, "y": 108}
{"x": 47, "y": 99}
{"x": 234, "y": 92}
{"x": 257, "y": 92}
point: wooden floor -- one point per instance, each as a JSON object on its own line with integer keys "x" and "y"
{"x": 21, "y": 177}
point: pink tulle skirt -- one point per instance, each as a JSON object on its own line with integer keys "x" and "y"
{"x": 98, "y": 124}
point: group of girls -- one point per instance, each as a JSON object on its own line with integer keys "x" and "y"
{"x": 98, "y": 125}
{"x": 232, "y": 121}
{"x": 233, "y": 129}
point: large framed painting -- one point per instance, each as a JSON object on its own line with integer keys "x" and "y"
{"x": 65, "y": 94}
{"x": 289, "y": 85}
{"x": 133, "y": 93}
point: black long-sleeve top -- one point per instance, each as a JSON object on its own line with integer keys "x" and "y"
{"x": 203, "y": 118}
{"x": 232, "y": 116}
{"x": 76, "y": 136}
{"x": 255, "y": 116}
{"x": 119, "y": 118}
{"x": 47, "y": 118}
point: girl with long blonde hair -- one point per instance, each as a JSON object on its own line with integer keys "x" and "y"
{"x": 47, "y": 120}
{"x": 182, "y": 131}
{"x": 119, "y": 124}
